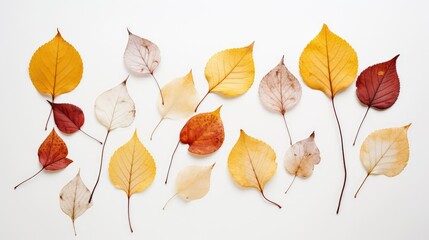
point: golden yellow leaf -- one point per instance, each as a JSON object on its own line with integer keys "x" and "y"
{"x": 328, "y": 63}
{"x": 132, "y": 169}
{"x": 385, "y": 152}
{"x": 252, "y": 163}
{"x": 56, "y": 67}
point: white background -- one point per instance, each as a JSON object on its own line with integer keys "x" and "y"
{"x": 188, "y": 34}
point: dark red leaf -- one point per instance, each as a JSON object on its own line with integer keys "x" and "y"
{"x": 378, "y": 85}
{"x": 68, "y": 117}
{"x": 53, "y": 152}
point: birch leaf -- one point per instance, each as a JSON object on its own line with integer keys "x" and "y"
{"x": 132, "y": 169}
{"x": 385, "y": 152}
{"x": 74, "y": 199}
{"x": 252, "y": 163}
{"x": 193, "y": 182}
{"x": 301, "y": 158}
{"x": 279, "y": 91}
{"x": 230, "y": 72}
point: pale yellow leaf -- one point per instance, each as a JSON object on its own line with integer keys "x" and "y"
{"x": 301, "y": 157}
{"x": 193, "y": 182}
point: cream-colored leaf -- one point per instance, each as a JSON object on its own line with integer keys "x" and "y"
{"x": 74, "y": 198}
{"x": 301, "y": 157}
{"x": 115, "y": 108}
{"x": 141, "y": 56}
{"x": 193, "y": 182}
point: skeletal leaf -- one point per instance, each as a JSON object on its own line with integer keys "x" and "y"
{"x": 280, "y": 91}
{"x": 132, "y": 169}
{"x": 180, "y": 99}
{"x": 230, "y": 72}
{"x": 378, "y": 87}
{"x": 74, "y": 199}
{"x": 193, "y": 182}
{"x": 252, "y": 163}
{"x": 385, "y": 152}
{"x": 301, "y": 158}
{"x": 52, "y": 155}
{"x": 329, "y": 64}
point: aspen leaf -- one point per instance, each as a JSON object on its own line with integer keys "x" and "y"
{"x": 329, "y": 64}
{"x": 279, "y": 91}
{"x": 385, "y": 152}
{"x": 193, "y": 182}
{"x": 230, "y": 72}
{"x": 180, "y": 99}
{"x": 132, "y": 169}
{"x": 301, "y": 158}
{"x": 378, "y": 87}
{"x": 74, "y": 199}
{"x": 113, "y": 109}
{"x": 52, "y": 155}
{"x": 252, "y": 163}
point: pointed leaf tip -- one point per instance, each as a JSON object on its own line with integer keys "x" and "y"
{"x": 407, "y": 126}
{"x": 312, "y": 134}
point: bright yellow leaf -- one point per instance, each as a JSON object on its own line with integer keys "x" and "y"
{"x": 56, "y": 67}
{"x": 252, "y": 163}
{"x": 132, "y": 168}
{"x": 328, "y": 63}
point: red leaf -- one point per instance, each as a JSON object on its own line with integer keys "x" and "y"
{"x": 68, "y": 117}
{"x": 53, "y": 153}
{"x": 378, "y": 85}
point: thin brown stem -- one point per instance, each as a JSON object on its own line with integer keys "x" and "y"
{"x": 202, "y": 99}
{"x": 160, "y": 91}
{"x": 363, "y": 119}
{"x": 263, "y": 195}
{"x": 74, "y": 228}
{"x": 101, "y": 166}
{"x": 171, "y": 161}
{"x": 129, "y": 218}
{"x": 49, "y": 117}
{"x": 290, "y": 185}
{"x": 364, "y": 180}
{"x": 29, "y": 178}
{"x": 91, "y": 136}
{"x": 343, "y": 154}
{"x": 287, "y": 128}
{"x": 157, "y": 125}
{"x": 165, "y": 205}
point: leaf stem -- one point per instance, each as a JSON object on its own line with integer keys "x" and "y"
{"x": 29, "y": 178}
{"x": 129, "y": 218}
{"x": 91, "y": 136}
{"x": 159, "y": 88}
{"x": 49, "y": 117}
{"x": 290, "y": 138}
{"x": 157, "y": 125}
{"x": 364, "y": 180}
{"x": 202, "y": 99}
{"x": 290, "y": 185}
{"x": 363, "y": 119}
{"x": 263, "y": 195}
{"x": 171, "y": 161}
{"x": 343, "y": 154}
{"x": 165, "y": 205}
{"x": 101, "y": 166}
{"x": 74, "y": 228}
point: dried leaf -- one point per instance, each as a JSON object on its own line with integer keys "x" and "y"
{"x": 252, "y": 163}
{"x": 280, "y": 91}
{"x": 74, "y": 199}
{"x": 193, "y": 182}
{"x": 132, "y": 169}
{"x": 230, "y": 72}
{"x": 52, "y": 155}
{"x": 385, "y": 152}
{"x": 329, "y": 64}
{"x": 378, "y": 87}
{"x": 301, "y": 158}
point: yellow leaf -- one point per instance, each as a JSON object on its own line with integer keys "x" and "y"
{"x": 385, "y": 152}
{"x": 132, "y": 168}
{"x": 252, "y": 163}
{"x": 328, "y": 63}
{"x": 56, "y": 67}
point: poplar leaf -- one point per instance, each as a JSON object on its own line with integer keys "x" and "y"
{"x": 141, "y": 56}
{"x": 74, "y": 198}
{"x": 252, "y": 163}
{"x": 132, "y": 169}
{"x": 230, "y": 72}
{"x": 385, "y": 152}
{"x": 279, "y": 91}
